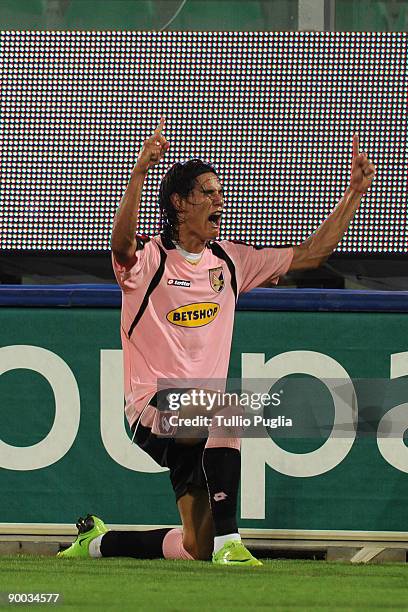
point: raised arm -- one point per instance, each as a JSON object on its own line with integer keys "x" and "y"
{"x": 316, "y": 249}
{"x": 123, "y": 240}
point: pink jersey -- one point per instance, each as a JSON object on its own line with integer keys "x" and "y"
{"x": 177, "y": 317}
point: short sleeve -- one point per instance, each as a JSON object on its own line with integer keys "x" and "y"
{"x": 146, "y": 258}
{"x": 256, "y": 266}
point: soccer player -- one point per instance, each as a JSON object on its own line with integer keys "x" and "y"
{"x": 178, "y": 297}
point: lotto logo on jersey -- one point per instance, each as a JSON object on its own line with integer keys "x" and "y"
{"x": 177, "y": 282}
{"x": 194, "y": 315}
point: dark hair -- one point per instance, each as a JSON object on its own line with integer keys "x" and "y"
{"x": 179, "y": 179}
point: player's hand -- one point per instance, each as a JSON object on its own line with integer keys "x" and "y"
{"x": 362, "y": 169}
{"x": 153, "y": 150}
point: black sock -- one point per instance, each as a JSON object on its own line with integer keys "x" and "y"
{"x": 222, "y": 468}
{"x": 138, "y": 544}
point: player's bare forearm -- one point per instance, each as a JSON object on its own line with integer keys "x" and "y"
{"x": 123, "y": 239}
{"x": 320, "y": 245}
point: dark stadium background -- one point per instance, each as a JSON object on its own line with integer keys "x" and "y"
{"x": 274, "y": 111}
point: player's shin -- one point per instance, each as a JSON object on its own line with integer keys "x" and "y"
{"x": 222, "y": 468}
{"x": 137, "y": 544}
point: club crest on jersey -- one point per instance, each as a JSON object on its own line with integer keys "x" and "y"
{"x": 194, "y": 315}
{"x": 216, "y": 279}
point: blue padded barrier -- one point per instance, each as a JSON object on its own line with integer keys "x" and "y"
{"x": 109, "y": 296}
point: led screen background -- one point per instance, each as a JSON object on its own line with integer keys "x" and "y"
{"x": 274, "y": 111}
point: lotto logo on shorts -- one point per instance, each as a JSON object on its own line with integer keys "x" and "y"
{"x": 194, "y": 315}
{"x": 220, "y": 496}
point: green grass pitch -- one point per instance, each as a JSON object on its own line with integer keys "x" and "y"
{"x": 182, "y": 586}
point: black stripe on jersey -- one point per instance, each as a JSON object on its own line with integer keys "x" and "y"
{"x": 152, "y": 286}
{"x": 219, "y": 252}
{"x": 166, "y": 242}
{"x": 141, "y": 241}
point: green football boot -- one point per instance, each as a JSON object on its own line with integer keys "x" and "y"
{"x": 234, "y": 553}
{"x": 89, "y": 528}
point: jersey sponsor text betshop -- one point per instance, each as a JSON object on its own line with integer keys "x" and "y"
{"x": 194, "y": 315}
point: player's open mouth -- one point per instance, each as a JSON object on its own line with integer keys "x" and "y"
{"x": 215, "y": 219}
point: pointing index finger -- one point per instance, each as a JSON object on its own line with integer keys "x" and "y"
{"x": 159, "y": 128}
{"x": 356, "y": 147}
